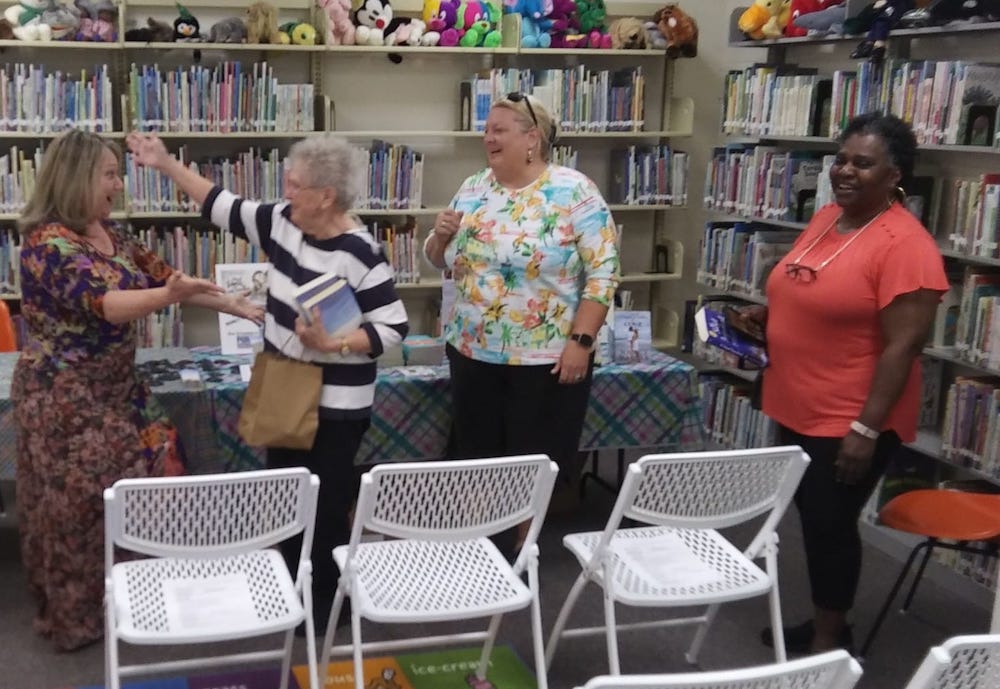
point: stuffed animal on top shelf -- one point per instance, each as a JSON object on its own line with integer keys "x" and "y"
{"x": 565, "y": 30}
{"x": 829, "y": 19}
{"x": 26, "y": 20}
{"x": 680, "y": 30}
{"x": 155, "y": 31}
{"x": 654, "y": 37}
{"x": 6, "y": 30}
{"x": 62, "y": 21}
{"x": 97, "y": 21}
{"x": 228, "y": 30}
{"x": 298, "y": 33}
{"x": 765, "y": 19}
{"x": 478, "y": 24}
{"x": 371, "y": 20}
{"x": 262, "y": 23}
{"x": 441, "y": 18}
{"x": 939, "y": 12}
{"x": 627, "y": 33}
{"x": 186, "y": 26}
{"x": 593, "y": 17}
{"x": 878, "y": 19}
{"x": 535, "y": 22}
{"x": 339, "y": 27}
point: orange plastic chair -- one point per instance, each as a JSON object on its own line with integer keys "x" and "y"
{"x": 8, "y": 339}
{"x": 939, "y": 515}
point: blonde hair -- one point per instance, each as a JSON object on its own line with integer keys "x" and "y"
{"x": 330, "y": 161}
{"x": 547, "y": 128}
{"x": 65, "y": 187}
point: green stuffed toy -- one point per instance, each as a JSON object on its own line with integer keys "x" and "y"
{"x": 593, "y": 16}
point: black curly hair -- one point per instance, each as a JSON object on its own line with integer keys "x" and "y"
{"x": 895, "y": 133}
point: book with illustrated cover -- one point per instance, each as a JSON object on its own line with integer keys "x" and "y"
{"x": 335, "y": 300}
{"x": 633, "y": 336}
{"x": 239, "y": 335}
{"x": 714, "y": 329}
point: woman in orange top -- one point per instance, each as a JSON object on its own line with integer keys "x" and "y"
{"x": 849, "y": 310}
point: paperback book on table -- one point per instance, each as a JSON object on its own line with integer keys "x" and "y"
{"x": 713, "y": 329}
{"x": 338, "y": 308}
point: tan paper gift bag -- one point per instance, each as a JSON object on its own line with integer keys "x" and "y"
{"x": 281, "y": 405}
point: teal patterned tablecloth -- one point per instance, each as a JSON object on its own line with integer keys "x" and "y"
{"x": 649, "y": 405}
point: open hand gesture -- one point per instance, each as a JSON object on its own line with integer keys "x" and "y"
{"x": 240, "y": 305}
{"x": 181, "y": 287}
{"x": 148, "y": 149}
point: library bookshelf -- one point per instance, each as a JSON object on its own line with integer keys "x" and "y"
{"x": 405, "y": 96}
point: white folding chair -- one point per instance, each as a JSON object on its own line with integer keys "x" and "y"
{"x": 212, "y": 575}
{"x": 961, "y": 662}
{"x": 683, "y": 560}
{"x": 439, "y": 564}
{"x": 830, "y": 670}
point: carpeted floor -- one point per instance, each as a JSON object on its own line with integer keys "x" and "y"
{"x": 30, "y": 663}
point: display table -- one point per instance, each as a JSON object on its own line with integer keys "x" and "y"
{"x": 650, "y": 405}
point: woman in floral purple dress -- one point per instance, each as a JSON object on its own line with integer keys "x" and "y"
{"x": 84, "y": 419}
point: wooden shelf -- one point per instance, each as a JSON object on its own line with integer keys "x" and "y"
{"x": 929, "y": 443}
{"x": 724, "y": 216}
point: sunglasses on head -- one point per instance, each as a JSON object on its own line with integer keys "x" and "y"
{"x": 518, "y": 97}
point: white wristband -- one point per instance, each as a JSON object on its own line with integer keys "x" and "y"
{"x": 864, "y": 431}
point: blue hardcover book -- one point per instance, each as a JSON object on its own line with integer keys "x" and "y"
{"x": 335, "y": 300}
{"x": 714, "y": 330}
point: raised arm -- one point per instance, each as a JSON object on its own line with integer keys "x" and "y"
{"x": 149, "y": 150}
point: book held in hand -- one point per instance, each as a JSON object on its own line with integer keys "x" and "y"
{"x": 714, "y": 330}
{"x": 335, "y": 299}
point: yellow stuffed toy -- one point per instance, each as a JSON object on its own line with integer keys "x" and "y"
{"x": 765, "y": 19}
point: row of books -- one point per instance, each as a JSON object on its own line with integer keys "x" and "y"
{"x": 196, "y": 251}
{"x": 164, "y": 328}
{"x": 738, "y": 256}
{"x": 648, "y": 175}
{"x": 18, "y": 168}
{"x": 970, "y": 307}
{"x": 581, "y": 100}
{"x": 970, "y": 432}
{"x": 402, "y": 248}
{"x": 253, "y": 174}
{"x": 35, "y": 100}
{"x": 946, "y": 101}
{"x": 728, "y": 417}
{"x": 763, "y": 181}
{"x": 224, "y": 98}
{"x": 394, "y": 175}
{"x": 972, "y": 224}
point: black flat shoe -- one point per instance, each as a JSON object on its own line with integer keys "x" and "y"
{"x": 798, "y": 639}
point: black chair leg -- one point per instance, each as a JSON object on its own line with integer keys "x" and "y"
{"x": 928, "y": 546}
{"x": 917, "y": 578}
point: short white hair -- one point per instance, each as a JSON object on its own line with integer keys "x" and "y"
{"x": 330, "y": 161}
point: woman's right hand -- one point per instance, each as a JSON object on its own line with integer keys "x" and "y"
{"x": 446, "y": 224}
{"x": 148, "y": 149}
{"x": 181, "y": 287}
{"x": 754, "y": 315}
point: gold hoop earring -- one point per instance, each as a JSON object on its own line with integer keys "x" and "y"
{"x": 899, "y": 194}
{"x": 531, "y": 155}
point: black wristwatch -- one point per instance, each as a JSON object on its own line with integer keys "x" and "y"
{"x": 584, "y": 339}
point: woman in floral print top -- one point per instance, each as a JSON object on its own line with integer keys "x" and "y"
{"x": 532, "y": 248}
{"x": 84, "y": 419}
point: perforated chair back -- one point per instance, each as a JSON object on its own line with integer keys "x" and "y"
{"x": 207, "y": 515}
{"x": 831, "y": 670}
{"x": 962, "y": 662}
{"x": 8, "y": 338}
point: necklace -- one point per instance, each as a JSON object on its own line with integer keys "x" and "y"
{"x": 846, "y": 244}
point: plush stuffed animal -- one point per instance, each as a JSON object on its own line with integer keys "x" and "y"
{"x": 535, "y": 22}
{"x": 26, "y": 20}
{"x": 829, "y": 20}
{"x": 627, "y": 33}
{"x": 155, "y": 31}
{"x": 565, "y": 30}
{"x": 679, "y": 29}
{"x": 339, "y": 27}
{"x": 186, "y": 26}
{"x": 765, "y": 19}
{"x": 800, "y": 8}
{"x": 262, "y": 23}
{"x": 6, "y": 30}
{"x": 441, "y": 17}
{"x": 878, "y": 19}
{"x": 228, "y": 30}
{"x": 654, "y": 37}
{"x": 939, "y": 12}
{"x": 593, "y": 22}
{"x": 370, "y": 22}
{"x": 299, "y": 33}
{"x": 96, "y": 21}
{"x": 478, "y": 25}
{"x": 63, "y": 22}
{"x": 405, "y": 31}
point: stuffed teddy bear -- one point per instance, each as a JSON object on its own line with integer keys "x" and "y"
{"x": 827, "y": 20}
{"x": 155, "y": 31}
{"x": 627, "y": 33}
{"x": 228, "y": 30}
{"x": 878, "y": 19}
{"x": 96, "y": 21}
{"x": 26, "y": 20}
{"x": 593, "y": 15}
{"x": 679, "y": 29}
{"x": 262, "y": 23}
{"x": 339, "y": 27}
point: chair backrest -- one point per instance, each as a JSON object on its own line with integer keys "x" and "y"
{"x": 211, "y": 515}
{"x": 831, "y": 670}
{"x": 962, "y": 662}
{"x": 711, "y": 490}
{"x": 8, "y": 338}
{"x": 454, "y": 500}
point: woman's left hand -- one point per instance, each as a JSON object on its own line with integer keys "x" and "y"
{"x": 240, "y": 305}
{"x": 573, "y": 364}
{"x": 854, "y": 459}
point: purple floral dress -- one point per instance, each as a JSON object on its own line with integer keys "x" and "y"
{"x": 84, "y": 420}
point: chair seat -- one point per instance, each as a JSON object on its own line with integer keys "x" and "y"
{"x": 656, "y": 566}
{"x": 947, "y": 514}
{"x": 172, "y": 600}
{"x": 432, "y": 581}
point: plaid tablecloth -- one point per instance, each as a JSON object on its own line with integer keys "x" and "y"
{"x": 652, "y": 405}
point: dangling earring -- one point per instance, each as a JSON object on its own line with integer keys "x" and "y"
{"x": 900, "y": 194}
{"x": 531, "y": 155}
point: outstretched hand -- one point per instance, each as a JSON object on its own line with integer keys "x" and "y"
{"x": 148, "y": 149}
{"x": 181, "y": 287}
{"x": 240, "y": 305}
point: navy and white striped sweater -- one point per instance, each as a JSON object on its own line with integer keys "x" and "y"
{"x": 348, "y": 382}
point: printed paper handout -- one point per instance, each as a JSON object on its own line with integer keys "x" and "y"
{"x": 239, "y": 335}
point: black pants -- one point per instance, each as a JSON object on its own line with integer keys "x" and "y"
{"x": 500, "y": 410}
{"x": 829, "y": 512}
{"x": 332, "y": 459}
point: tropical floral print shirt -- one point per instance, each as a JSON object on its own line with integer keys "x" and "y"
{"x": 522, "y": 261}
